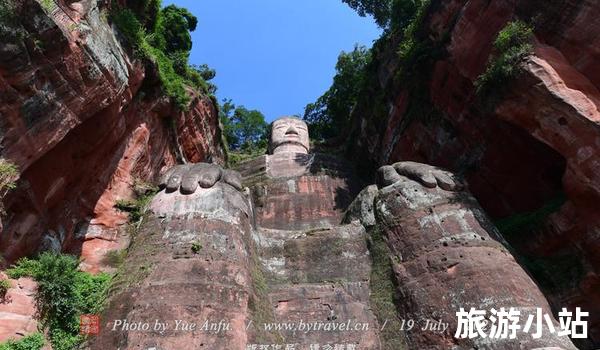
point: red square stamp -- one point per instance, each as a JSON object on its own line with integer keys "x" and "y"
{"x": 89, "y": 324}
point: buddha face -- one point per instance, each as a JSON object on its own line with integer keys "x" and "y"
{"x": 289, "y": 134}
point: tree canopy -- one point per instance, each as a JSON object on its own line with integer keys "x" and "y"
{"x": 394, "y": 14}
{"x": 173, "y": 29}
{"x": 380, "y": 9}
{"x": 163, "y": 37}
{"x": 244, "y": 129}
{"x": 331, "y": 112}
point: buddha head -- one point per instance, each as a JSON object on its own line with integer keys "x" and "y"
{"x": 289, "y": 135}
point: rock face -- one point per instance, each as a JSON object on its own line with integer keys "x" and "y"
{"x": 534, "y": 154}
{"x": 209, "y": 257}
{"x": 190, "y": 262}
{"x": 83, "y": 122}
{"x": 295, "y": 198}
{"x": 317, "y": 270}
{"x": 17, "y": 309}
{"x": 448, "y": 255}
{"x": 218, "y": 255}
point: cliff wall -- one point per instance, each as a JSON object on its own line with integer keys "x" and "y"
{"x": 530, "y": 156}
{"x": 84, "y": 121}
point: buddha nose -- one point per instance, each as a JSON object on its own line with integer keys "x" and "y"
{"x": 291, "y": 131}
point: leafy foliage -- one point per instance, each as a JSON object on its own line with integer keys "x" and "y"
{"x": 129, "y": 26}
{"x": 553, "y": 273}
{"x": 393, "y": 14}
{"x": 8, "y": 174}
{"x": 7, "y": 14}
{"x": 357, "y": 81}
{"x": 414, "y": 50}
{"x": 331, "y": 111}
{"x": 4, "y": 287}
{"x": 196, "y": 247}
{"x": 31, "y": 342}
{"x": 10, "y": 28}
{"x": 114, "y": 258}
{"x": 405, "y": 13}
{"x": 380, "y": 9}
{"x": 511, "y": 47}
{"x": 244, "y": 129}
{"x": 137, "y": 207}
{"x": 146, "y": 10}
{"x": 163, "y": 37}
{"x": 48, "y": 5}
{"x": 63, "y": 294}
{"x": 417, "y": 53}
{"x": 8, "y": 179}
{"x": 173, "y": 29}
{"x": 205, "y": 71}
{"x": 240, "y": 156}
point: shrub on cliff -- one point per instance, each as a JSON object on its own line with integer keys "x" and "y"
{"x": 144, "y": 192}
{"x": 173, "y": 28}
{"x": 31, "y": 342}
{"x": 63, "y": 294}
{"x": 388, "y": 14}
{"x": 146, "y": 10}
{"x": 379, "y": 9}
{"x": 4, "y": 287}
{"x": 163, "y": 37}
{"x": 136, "y": 208}
{"x": 511, "y": 47}
{"x": 8, "y": 175}
{"x": 10, "y": 29}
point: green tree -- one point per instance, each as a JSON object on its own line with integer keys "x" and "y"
{"x": 250, "y": 128}
{"x": 380, "y": 9}
{"x": 511, "y": 47}
{"x": 225, "y": 114}
{"x": 205, "y": 71}
{"x": 396, "y": 14}
{"x": 331, "y": 112}
{"x": 63, "y": 294}
{"x": 163, "y": 37}
{"x": 244, "y": 129}
{"x": 173, "y": 29}
{"x": 146, "y": 10}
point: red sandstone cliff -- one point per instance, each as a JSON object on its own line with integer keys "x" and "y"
{"x": 539, "y": 143}
{"x": 83, "y": 120}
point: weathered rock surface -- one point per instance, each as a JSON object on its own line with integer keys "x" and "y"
{"x": 447, "y": 255}
{"x": 294, "y": 191}
{"x": 361, "y": 208}
{"x": 17, "y": 309}
{"x": 191, "y": 262}
{"x": 81, "y": 129}
{"x": 214, "y": 256}
{"x": 538, "y": 144}
{"x": 320, "y": 277}
{"x": 317, "y": 270}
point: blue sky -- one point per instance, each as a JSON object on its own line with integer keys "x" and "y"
{"x": 274, "y": 55}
